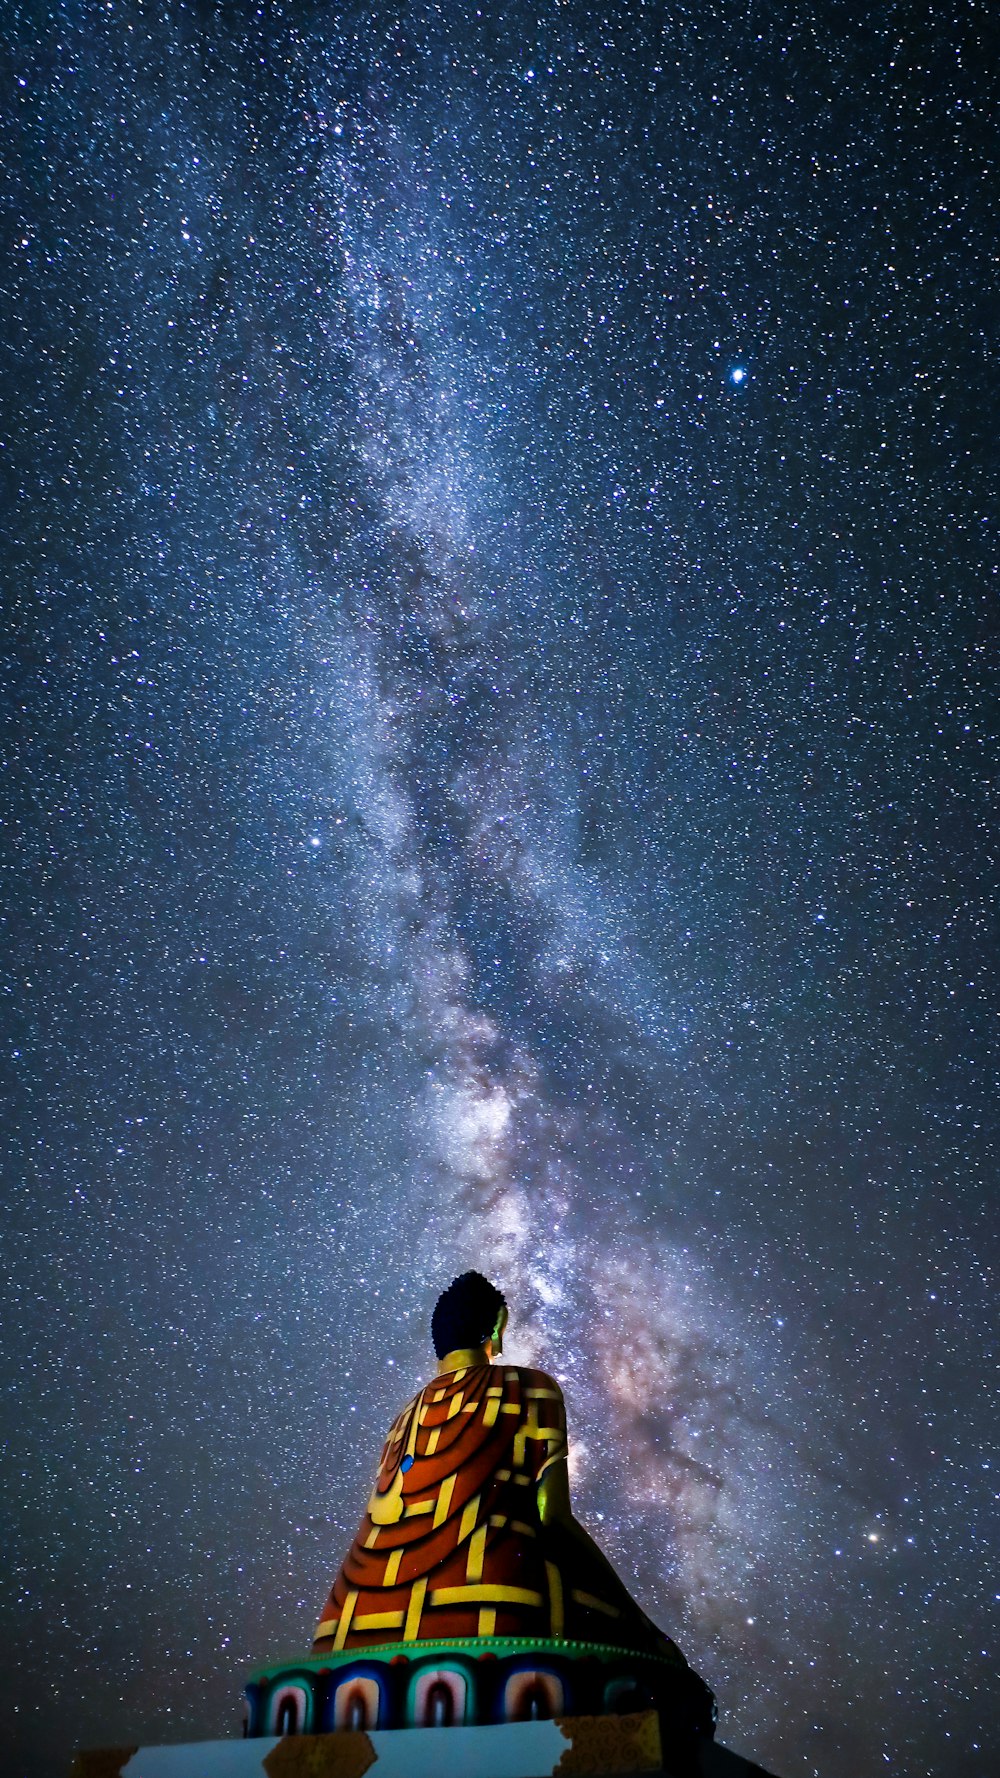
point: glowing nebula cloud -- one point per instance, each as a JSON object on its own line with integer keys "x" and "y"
{"x": 620, "y": 1313}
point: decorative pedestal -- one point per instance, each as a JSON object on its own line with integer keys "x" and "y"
{"x": 477, "y": 1682}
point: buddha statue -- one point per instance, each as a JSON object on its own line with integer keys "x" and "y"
{"x": 471, "y": 1595}
{"x": 471, "y": 1604}
{"x": 469, "y": 1529}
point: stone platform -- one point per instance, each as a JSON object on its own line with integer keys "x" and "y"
{"x": 579, "y": 1747}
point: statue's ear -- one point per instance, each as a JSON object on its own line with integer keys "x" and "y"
{"x": 501, "y": 1323}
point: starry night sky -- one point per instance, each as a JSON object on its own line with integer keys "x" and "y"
{"x": 497, "y": 665}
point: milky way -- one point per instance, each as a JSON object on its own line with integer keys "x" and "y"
{"x": 500, "y": 765}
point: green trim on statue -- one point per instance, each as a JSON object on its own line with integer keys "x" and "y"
{"x": 473, "y": 1646}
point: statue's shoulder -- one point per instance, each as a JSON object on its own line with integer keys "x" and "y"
{"x": 539, "y": 1382}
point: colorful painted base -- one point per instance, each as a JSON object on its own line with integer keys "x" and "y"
{"x": 477, "y": 1682}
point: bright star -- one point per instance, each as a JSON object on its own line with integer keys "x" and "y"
{"x": 738, "y": 374}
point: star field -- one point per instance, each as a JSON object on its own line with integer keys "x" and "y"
{"x": 498, "y": 664}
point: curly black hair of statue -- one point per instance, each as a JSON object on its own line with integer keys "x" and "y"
{"x": 466, "y": 1313}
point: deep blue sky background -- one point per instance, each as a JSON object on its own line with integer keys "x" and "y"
{"x": 486, "y": 783}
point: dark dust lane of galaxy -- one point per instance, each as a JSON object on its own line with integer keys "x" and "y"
{"x": 500, "y": 774}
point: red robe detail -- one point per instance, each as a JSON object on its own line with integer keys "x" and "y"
{"x": 451, "y": 1544}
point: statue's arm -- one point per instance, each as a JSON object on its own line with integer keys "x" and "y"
{"x": 554, "y": 1508}
{"x": 553, "y": 1495}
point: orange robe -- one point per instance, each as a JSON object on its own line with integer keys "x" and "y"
{"x": 451, "y": 1544}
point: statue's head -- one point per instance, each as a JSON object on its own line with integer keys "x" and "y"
{"x": 471, "y": 1312}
